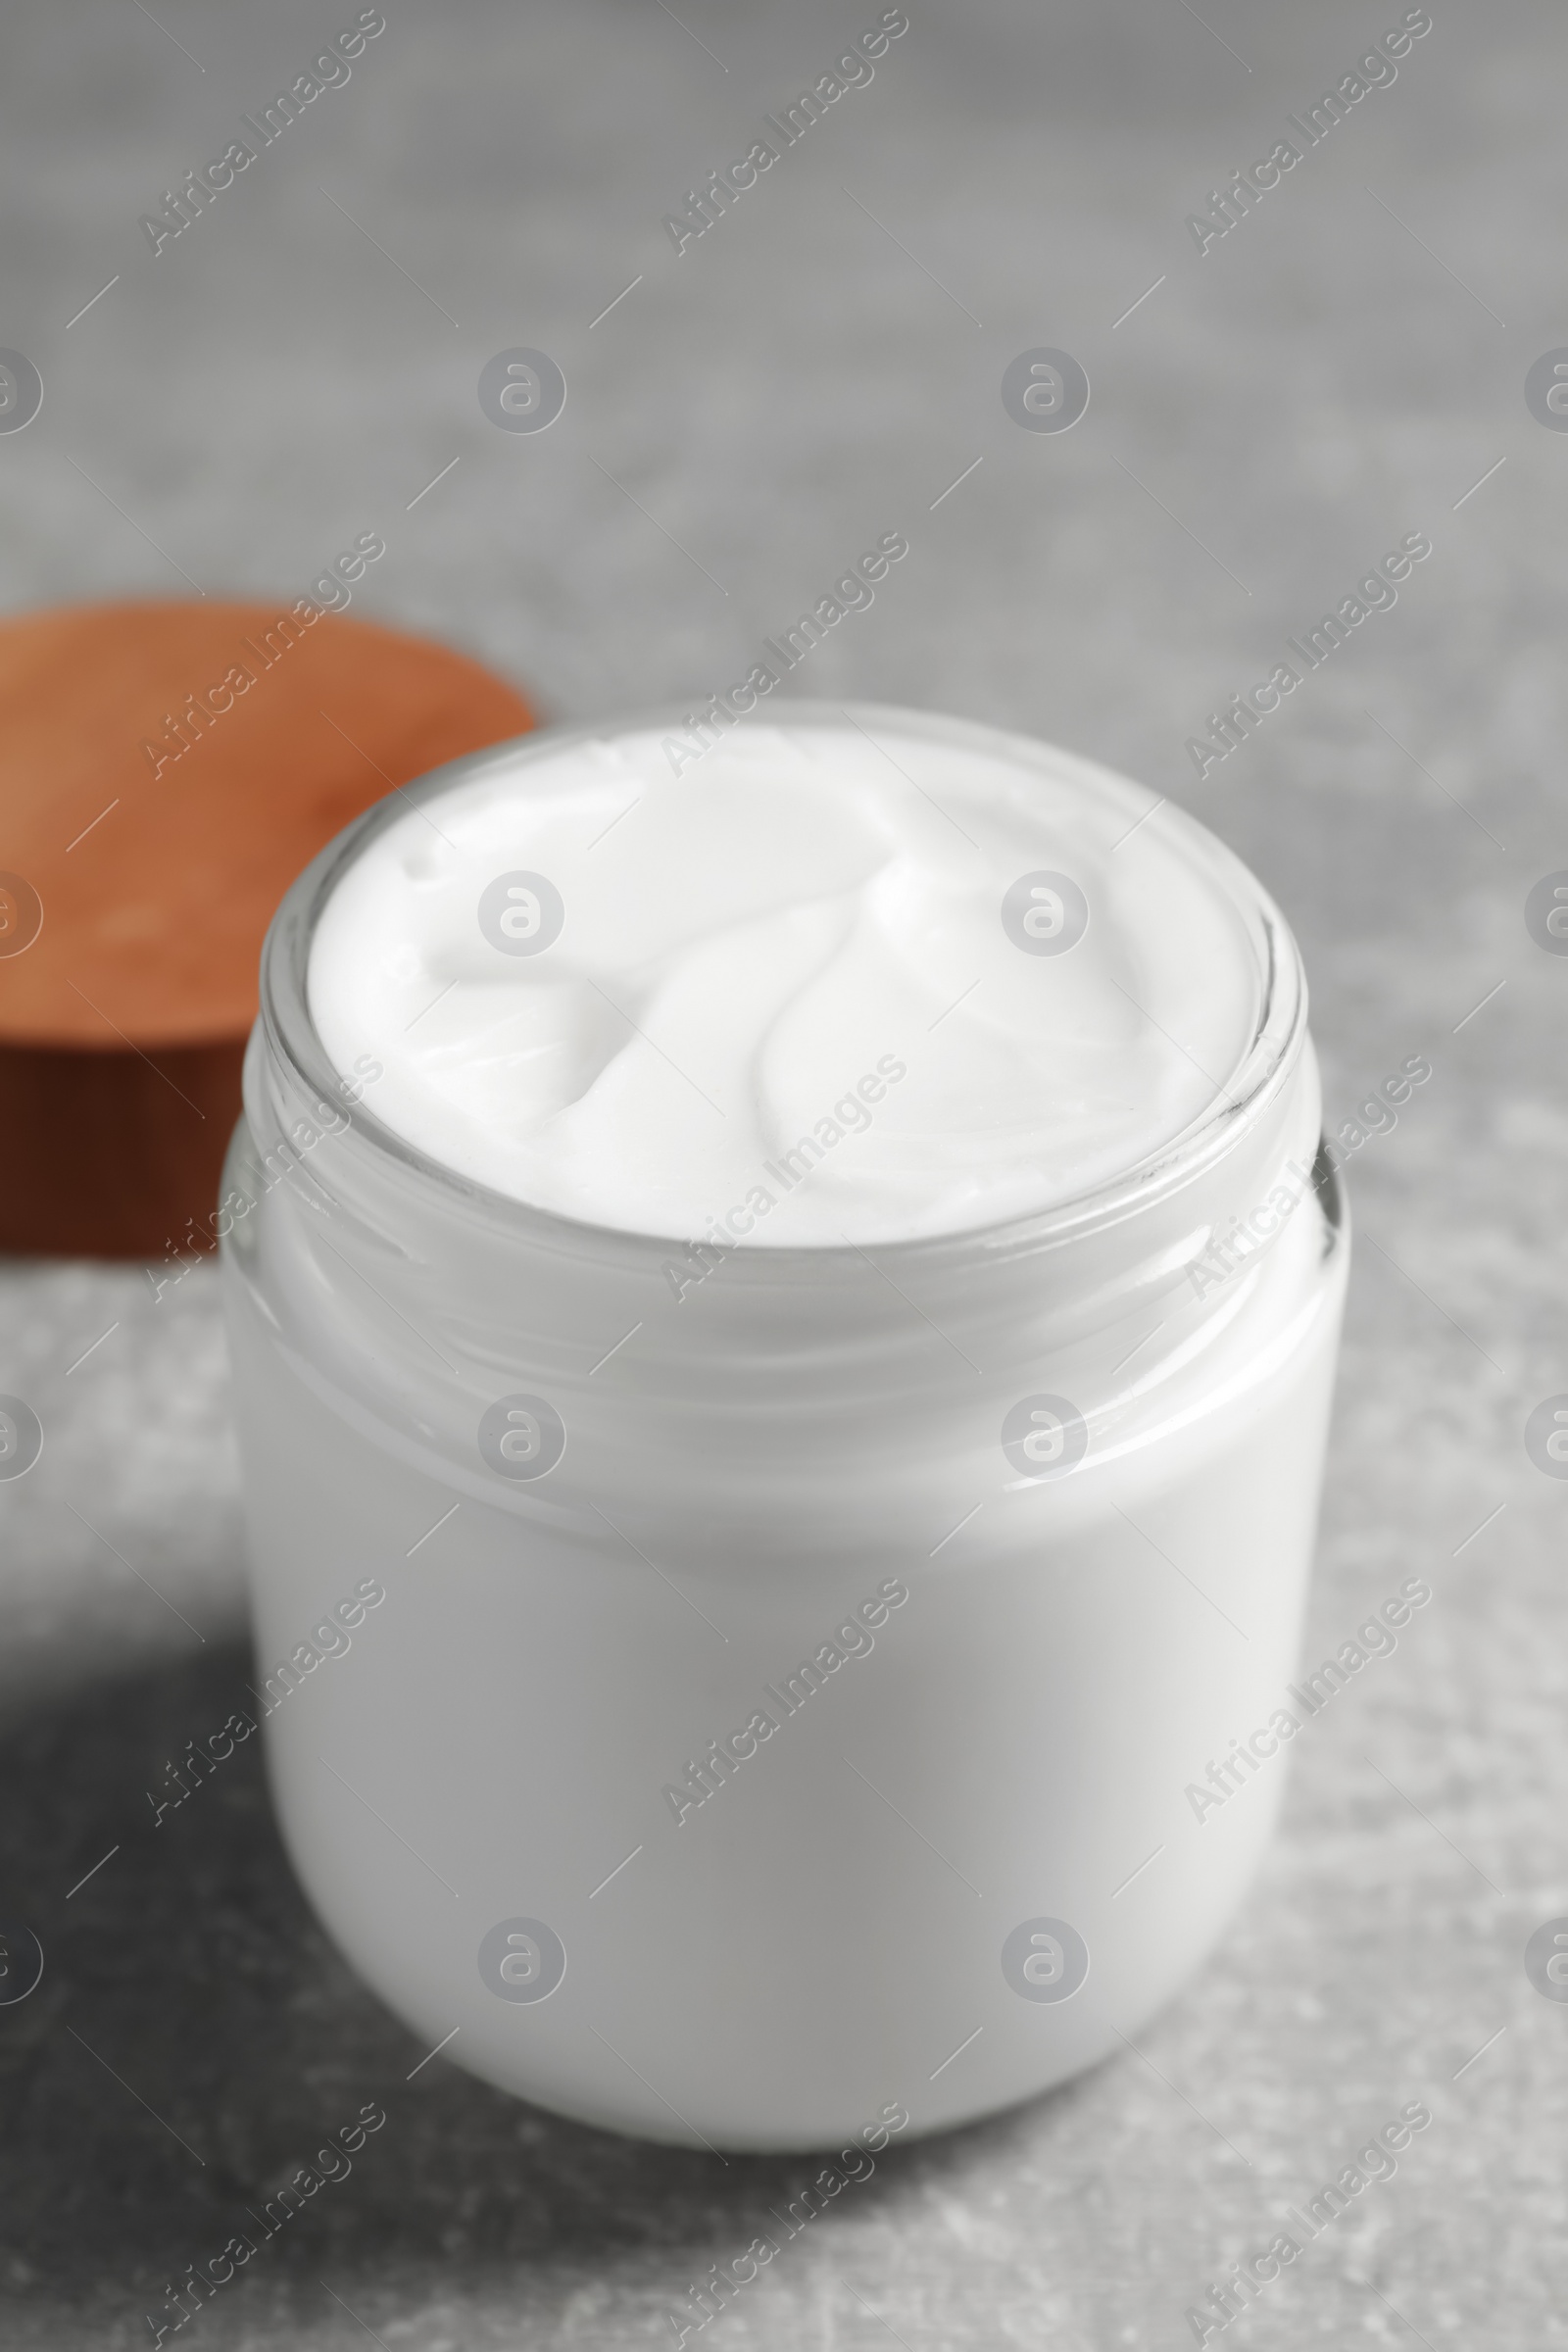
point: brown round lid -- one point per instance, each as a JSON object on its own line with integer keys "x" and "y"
{"x": 166, "y": 770}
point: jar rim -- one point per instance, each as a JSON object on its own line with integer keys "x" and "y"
{"x": 285, "y": 1022}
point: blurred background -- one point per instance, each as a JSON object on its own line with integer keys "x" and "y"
{"x": 1271, "y": 411}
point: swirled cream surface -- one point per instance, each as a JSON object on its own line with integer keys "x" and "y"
{"x": 826, "y": 983}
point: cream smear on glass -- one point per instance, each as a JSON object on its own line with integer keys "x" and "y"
{"x": 826, "y": 984}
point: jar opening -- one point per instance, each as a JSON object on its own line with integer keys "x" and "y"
{"x": 302, "y": 1061}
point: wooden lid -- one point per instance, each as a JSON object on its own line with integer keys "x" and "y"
{"x": 166, "y": 770}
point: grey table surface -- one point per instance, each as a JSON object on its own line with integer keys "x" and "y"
{"x": 1268, "y": 416}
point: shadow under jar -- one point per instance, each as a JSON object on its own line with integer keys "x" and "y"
{"x": 793, "y": 1717}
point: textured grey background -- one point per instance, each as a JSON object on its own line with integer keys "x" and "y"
{"x": 1332, "y": 375}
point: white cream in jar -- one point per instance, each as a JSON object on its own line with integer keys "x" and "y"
{"x": 624, "y": 994}
{"x": 801, "y": 1281}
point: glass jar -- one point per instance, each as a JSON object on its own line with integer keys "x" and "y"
{"x": 733, "y": 1697}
